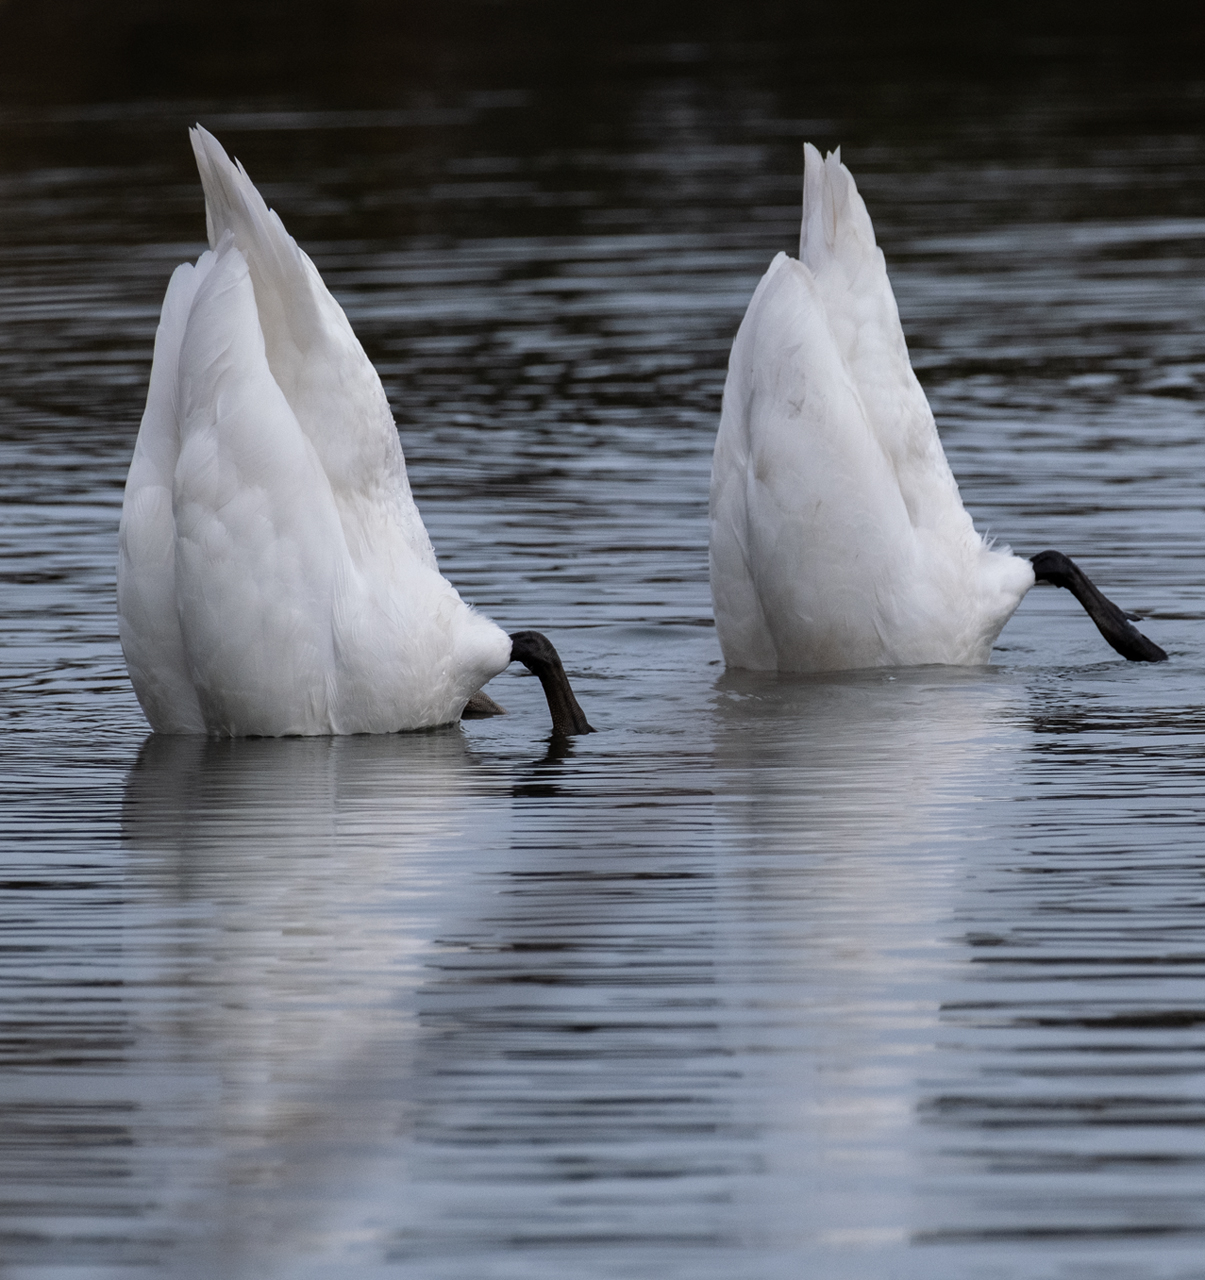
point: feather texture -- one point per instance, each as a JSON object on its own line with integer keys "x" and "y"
{"x": 274, "y": 574}
{"x": 838, "y": 537}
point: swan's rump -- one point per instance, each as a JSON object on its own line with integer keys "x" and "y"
{"x": 274, "y": 575}
{"x": 838, "y": 538}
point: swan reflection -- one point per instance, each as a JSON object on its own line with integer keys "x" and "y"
{"x": 853, "y": 807}
{"x": 304, "y": 880}
{"x": 863, "y": 761}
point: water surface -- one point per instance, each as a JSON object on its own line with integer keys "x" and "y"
{"x": 889, "y": 974}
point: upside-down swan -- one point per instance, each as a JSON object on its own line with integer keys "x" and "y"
{"x": 274, "y": 575}
{"x": 838, "y": 538}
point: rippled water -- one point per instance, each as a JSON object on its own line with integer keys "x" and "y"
{"x": 876, "y": 975}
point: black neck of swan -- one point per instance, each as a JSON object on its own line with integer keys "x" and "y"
{"x": 536, "y": 653}
{"x": 1111, "y": 622}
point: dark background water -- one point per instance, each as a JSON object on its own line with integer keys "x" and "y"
{"x": 873, "y": 975}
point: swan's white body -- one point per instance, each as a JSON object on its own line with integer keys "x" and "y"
{"x": 838, "y": 539}
{"x": 274, "y": 574}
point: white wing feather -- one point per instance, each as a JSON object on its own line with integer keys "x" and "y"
{"x": 838, "y": 537}
{"x": 147, "y": 618}
{"x": 258, "y": 536}
{"x": 317, "y": 362}
{"x": 274, "y": 575}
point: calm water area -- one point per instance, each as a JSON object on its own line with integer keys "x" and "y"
{"x": 874, "y": 976}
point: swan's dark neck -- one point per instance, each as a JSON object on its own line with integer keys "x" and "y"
{"x": 1112, "y": 622}
{"x": 536, "y": 653}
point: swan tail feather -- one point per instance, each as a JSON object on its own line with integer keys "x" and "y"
{"x": 839, "y": 538}
{"x": 315, "y": 358}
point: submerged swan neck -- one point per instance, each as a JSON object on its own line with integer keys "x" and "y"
{"x": 536, "y": 653}
{"x": 1111, "y": 622}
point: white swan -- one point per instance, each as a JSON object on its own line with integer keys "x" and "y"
{"x": 274, "y": 575}
{"x": 838, "y": 537}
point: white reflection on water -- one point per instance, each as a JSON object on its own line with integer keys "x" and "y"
{"x": 286, "y": 892}
{"x": 854, "y": 807}
{"x": 697, "y": 1032}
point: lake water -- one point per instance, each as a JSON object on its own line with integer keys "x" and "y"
{"x": 873, "y": 976}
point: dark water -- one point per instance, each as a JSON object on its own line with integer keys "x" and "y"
{"x": 888, "y": 975}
